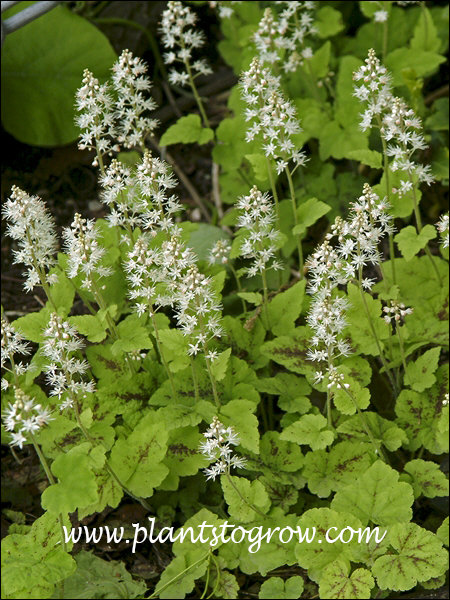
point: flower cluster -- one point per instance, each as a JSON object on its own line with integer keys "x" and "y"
{"x": 96, "y": 105}
{"x": 180, "y": 37}
{"x": 272, "y": 116}
{"x": 198, "y": 312}
{"x": 138, "y": 198}
{"x": 398, "y": 124}
{"x": 217, "y": 447}
{"x": 373, "y": 88}
{"x": 331, "y": 265}
{"x": 117, "y": 111}
{"x": 12, "y": 343}
{"x": 395, "y": 312}
{"x": 65, "y": 371}
{"x": 282, "y": 38}
{"x": 260, "y": 238}
{"x": 84, "y": 251}
{"x": 220, "y": 252}
{"x": 129, "y": 81}
{"x": 403, "y": 129}
{"x": 24, "y": 417}
{"x": 168, "y": 276}
{"x": 31, "y": 225}
{"x": 442, "y": 227}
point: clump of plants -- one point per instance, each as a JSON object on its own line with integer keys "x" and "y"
{"x": 282, "y": 365}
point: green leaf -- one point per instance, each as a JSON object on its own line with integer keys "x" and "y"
{"x": 328, "y": 22}
{"x": 319, "y": 553}
{"x": 175, "y": 349}
{"x": 417, "y": 416}
{"x": 339, "y": 141}
{"x": 252, "y": 297}
{"x": 319, "y": 62}
{"x": 424, "y": 63}
{"x": 371, "y": 158}
{"x": 275, "y": 587}
{"x": 410, "y": 242}
{"x": 90, "y": 326}
{"x": 63, "y": 293}
{"x": 311, "y": 430}
{"x": 180, "y": 575}
{"x": 276, "y": 455}
{"x": 285, "y": 308}
{"x": 40, "y": 79}
{"x": 359, "y": 328}
{"x": 98, "y": 578}
{"x": 259, "y": 166}
{"x": 183, "y": 458}
{"x": 33, "y": 563}
{"x": 133, "y": 336}
{"x": 425, "y": 36}
{"x": 291, "y": 351}
{"x": 420, "y": 373}
{"x": 427, "y": 478}
{"x": 327, "y": 471}
{"x": 347, "y": 399}
{"x": 336, "y": 582}
{"x": 77, "y": 486}
{"x": 377, "y": 496}
{"x": 137, "y": 459}
{"x": 220, "y": 364}
{"x": 383, "y": 431}
{"x": 418, "y": 557}
{"x": 203, "y": 239}
{"x": 438, "y": 121}
{"x": 252, "y": 491}
{"x": 32, "y": 325}
{"x": 308, "y": 213}
{"x": 187, "y": 130}
{"x": 239, "y": 414}
{"x": 442, "y": 532}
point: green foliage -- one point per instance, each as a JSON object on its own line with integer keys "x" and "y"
{"x": 38, "y": 101}
{"x": 98, "y": 578}
{"x": 336, "y": 581}
{"x": 275, "y": 587}
{"x": 187, "y": 130}
{"x": 336, "y": 444}
{"x": 418, "y": 556}
{"x": 410, "y": 242}
{"x": 376, "y": 497}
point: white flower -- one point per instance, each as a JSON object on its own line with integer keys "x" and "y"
{"x": 256, "y": 218}
{"x": 443, "y": 227}
{"x": 130, "y": 82}
{"x": 31, "y": 225}
{"x": 381, "y": 16}
{"x": 217, "y": 447}
{"x": 64, "y": 371}
{"x": 180, "y": 37}
{"x": 23, "y": 417}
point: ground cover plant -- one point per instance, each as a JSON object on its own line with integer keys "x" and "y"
{"x": 253, "y": 330}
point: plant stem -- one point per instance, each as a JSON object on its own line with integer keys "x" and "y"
{"x": 374, "y": 333}
{"x": 294, "y": 210}
{"x": 378, "y": 449}
{"x": 249, "y": 504}
{"x": 178, "y": 575}
{"x": 274, "y": 190}
{"x": 386, "y": 178}
{"x": 194, "y": 379}
{"x": 110, "y": 470}
{"x": 158, "y": 344}
{"x": 211, "y": 377}
{"x": 419, "y": 227}
{"x": 402, "y": 347}
{"x": 52, "y": 481}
